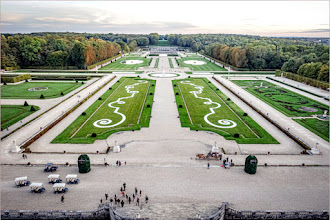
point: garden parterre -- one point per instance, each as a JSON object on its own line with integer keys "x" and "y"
{"x": 209, "y": 109}
{"x": 285, "y": 101}
{"x": 126, "y": 106}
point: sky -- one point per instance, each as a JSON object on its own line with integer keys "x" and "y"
{"x": 264, "y": 18}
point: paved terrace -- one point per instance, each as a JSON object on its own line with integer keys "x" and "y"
{"x": 160, "y": 161}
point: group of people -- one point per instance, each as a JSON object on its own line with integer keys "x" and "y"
{"x": 118, "y": 163}
{"x": 135, "y": 197}
{"x": 225, "y": 163}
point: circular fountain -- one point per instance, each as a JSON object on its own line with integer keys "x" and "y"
{"x": 163, "y": 74}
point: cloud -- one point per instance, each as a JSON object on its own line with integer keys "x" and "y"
{"x": 63, "y": 19}
{"x": 320, "y": 30}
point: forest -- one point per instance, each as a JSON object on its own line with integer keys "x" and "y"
{"x": 244, "y": 52}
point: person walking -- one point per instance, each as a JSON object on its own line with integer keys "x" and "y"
{"x": 208, "y": 165}
{"x": 147, "y": 199}
{"x": 111, "y": 200}
{"x": 125, "y": 162}
{"x": 121, "y": 189}
{"x": 140, "y": 193}
{"x": 122, "y": 203}
{"x": 133, "y": 197}
{"x": 220, "y": 156}
{"x": 101, "y": 201}
{"x": 123, "y": 193}
{"x": 117, "y": 163}
{"x": 124, "y": 186}
{"x": 135, "y": 191}
{"x": 62, "y": 199}
{"x": 129, "y": 200}
{"x": 126, "y": 196}
{"x": 23, "y": 156}
{"x": 106, "y": 196}
{"x": 137, "y": 201}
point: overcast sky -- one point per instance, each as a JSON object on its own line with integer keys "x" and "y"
{"x": 265, "y": 18}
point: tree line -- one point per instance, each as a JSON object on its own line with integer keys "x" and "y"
{"x": 260, "y": 53}
{"x": 67, "y": 49}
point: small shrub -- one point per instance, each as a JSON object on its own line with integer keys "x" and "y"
{"x": 177, "y": 93}
{"x": 174, "y": 85}
{"x": 209, "y": 81}
{"x": 245, "y": 114}
{"x": 94, "y": 135}
{"x": 110, "y": 88}
{"x": 180, "y": 106}
{"x": 148, "y": 106}
{"x": 82, "y": 82}
{"x": 84, "y": 113}
{"x": 153, "y": 85}
{"x": 151, "y": 93}
{"x": 228, "y": 99}
{"x": 100, "y": 98}
{"x": 217, "y": 89}
{"x": 236, "y": 135}
{"x": 42, "y": 96}
{"x": 32, "y": 109}
{"x": 4, "y": 83}
{"x": 62, "y": 93}
{"x": 188, "y": 76}
{"x": 138, "y": 76}
{"x": 76, "y": 81}
{"x": 26, "y": 80}
{"x": 26, "y": 104}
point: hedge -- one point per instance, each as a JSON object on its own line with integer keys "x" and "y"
{"x": 308, "y": 81}
{"x": 102, "y": 62}
{"x": 14, "y": 78}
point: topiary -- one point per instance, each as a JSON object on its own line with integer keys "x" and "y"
{"x": 84, "y": 113}
{"x": 228, "y": 99}
{"x": 177, "y": 93}
{"x": 94, "y": 135}
{"x": 82, "y": 82}
{"x": 26, "y": 80}
{"x": 110, "y": 88}
{"x": 148, "y": 106}
{"x": 76, "y": 81}
{"x": 32, "y": 109}
{"x": 180, "y": 106}
{"x": 26, "y": 104}
{"x": 174, "y": 85}
{"x": 62, "y": 93}
{"x": 245, "y": 114}
{"x": 236, "y": 135}
{"x": 42, "y": 96}
{"x": 153, "y": 85}
{"x": 151, "y": 93}
{"x": 4, "y": 83}
{"x": 100, "y": 98}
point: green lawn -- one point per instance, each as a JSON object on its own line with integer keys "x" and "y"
{"x": 227, "y": 120}
{"x": 162, "y": 43}
{"x": 156, "y": 64}
{"x": 206, "y": 67}
{"x": 170, "y": 61}
{"x": 126, "y": 118}
{"x": 121, "y": 66}
{"x": 285, "y": 101}
{"x": 321, "y": 128}
{"x": 10, "y": 114}
{"x": 20, "y": 91}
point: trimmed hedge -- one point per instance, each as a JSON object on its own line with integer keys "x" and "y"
{"x": 14, "y": 78}
{"x": 102, "y": 62}
{"x": 308, "y": 81}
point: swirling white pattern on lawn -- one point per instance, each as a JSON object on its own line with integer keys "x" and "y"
{"x": 106, "y": 123}
{"x": 224, "y": 123}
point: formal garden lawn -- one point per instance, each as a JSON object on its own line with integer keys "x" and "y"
{"x": 130, "y": 98}
{"x": 21, "y": 91}
{"x": 208, "y": 66}
{"x": 118, "y": 65}
{"x": 285, "y": 101}
{"x": 162, "y": 43}
{"x": 10, "y": 114}
{"x": 209, "y": 109}
{"x": 321, "y": 128}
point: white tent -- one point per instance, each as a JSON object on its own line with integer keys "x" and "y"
{"x": 116, "y": 149}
